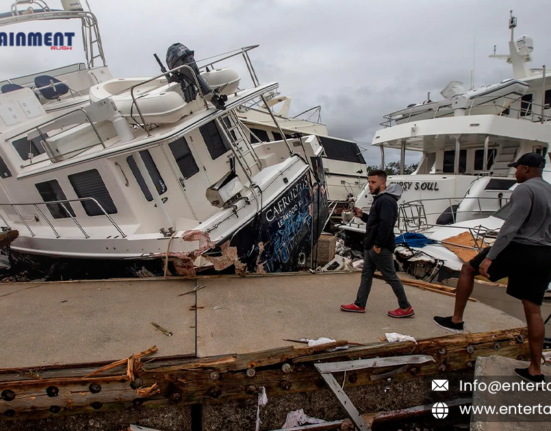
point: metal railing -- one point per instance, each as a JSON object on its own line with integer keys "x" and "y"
{"x": 505, "y": 106}
{"x": 44, "y": 140}
{"x": 135, "y": 102}
{"x": 89, "y": 25}
{"x": 413, "y": 217}
{"x": 69, "y": 213}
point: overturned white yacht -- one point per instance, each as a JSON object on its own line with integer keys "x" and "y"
{"x": 100, "y": 168}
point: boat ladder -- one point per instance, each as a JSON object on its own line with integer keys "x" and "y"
{"x": 241, "y": 146}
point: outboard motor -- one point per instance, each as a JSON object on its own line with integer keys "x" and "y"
{"x": 178, "y": 55}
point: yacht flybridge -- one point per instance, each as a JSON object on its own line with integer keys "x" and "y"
{"x": 466, "y": 140}
{"x": 100, "y": 168}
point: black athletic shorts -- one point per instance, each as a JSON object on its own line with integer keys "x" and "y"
{"x": 528, "y": 268}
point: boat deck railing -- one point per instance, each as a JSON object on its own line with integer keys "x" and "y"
{"x": 413, "y": 217}
{"x": 91, "y": 38}
{"x": 528, "y": 111}
{"x": 63, "y": 204}
{"x": 82, "y": 117}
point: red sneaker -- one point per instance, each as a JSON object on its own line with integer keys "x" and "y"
{"x": 400, "y": 313}
{"x": 352, "y": 308}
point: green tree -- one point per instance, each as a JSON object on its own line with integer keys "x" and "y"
{"x": 393, "y": 168}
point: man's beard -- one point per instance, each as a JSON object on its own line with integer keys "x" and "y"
{"x": 376, "y": 191}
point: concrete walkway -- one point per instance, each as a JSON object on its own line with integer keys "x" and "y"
{"x": 499, "y": 369}
{"x": 75, "y": 322}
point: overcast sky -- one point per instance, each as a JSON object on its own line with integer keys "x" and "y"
{"x": 358, "y": 59}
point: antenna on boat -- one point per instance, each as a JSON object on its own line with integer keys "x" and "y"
{"x": 474, "y": 57}
{"x": 512, "y": 25}
{"x": 163, "y": 68}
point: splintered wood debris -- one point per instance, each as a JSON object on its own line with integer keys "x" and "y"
{"x": 161, "y": 329}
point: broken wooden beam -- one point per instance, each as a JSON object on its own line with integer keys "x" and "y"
{"x": 423, "y": 285}
{"x": 281, "y": 371}
{"x": 120, "y": 362}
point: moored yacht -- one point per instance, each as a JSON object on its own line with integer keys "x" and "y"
{"x": 466, "y": 140}
{"x": 149, "y": 168}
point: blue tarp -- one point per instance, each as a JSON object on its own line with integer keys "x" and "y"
{"x": 414, "y": 240}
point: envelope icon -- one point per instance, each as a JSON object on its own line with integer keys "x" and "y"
{"x": 440, "y": 385}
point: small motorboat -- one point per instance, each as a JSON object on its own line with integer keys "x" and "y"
{"x": 159, "y": 101}
{"x": 488, "y": 100}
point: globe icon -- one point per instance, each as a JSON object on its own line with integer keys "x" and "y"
{"x": 440, "y": 410}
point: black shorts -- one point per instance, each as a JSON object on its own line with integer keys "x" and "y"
{"x": 528, "y": 268}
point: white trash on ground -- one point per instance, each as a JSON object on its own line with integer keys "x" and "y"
{"x": 394, "y": 337}
{"x": 299, "y": 418}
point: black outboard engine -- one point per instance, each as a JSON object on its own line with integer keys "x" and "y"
{"x": 178, "y": 55}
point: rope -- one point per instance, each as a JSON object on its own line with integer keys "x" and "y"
{"x": 166, "y": 254}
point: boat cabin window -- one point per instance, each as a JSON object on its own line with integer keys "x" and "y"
{"x": 88, "y": 184}
{"x": 449, "y": 161}
{"x": 547, "y": 99}
{"x": 526, "y": 105}
{"x": 184, "y": 158}
{"x": 503, "y": 212}
{"x": 51, "y": 191}
{"x": 153, "y": 173}
{"x": 25, "y": 147}
{"x": 500, "y": 184}
{"x": 479, "y": 159}
{"x": 216, "y": 144}
{"x": 538, "y": 149}
{"x": 261, "y": 134}
{"x": 277, "y": 136}
{"x": 342, "y": 150}
{"x": 4, "y": 170}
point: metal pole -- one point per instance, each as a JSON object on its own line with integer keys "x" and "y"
{"x": 403, "y": 157}
{"x": 457, "y": 153}
{"x": 543, "y": 98}
{"x": 485, "y": 162}
{"x": 151, "y": 186}
{"x": 382, "y": 158}
{"x": 291, "y": 152}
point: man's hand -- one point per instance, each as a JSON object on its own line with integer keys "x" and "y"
{"x": 483, "y": 268}
{"x": 376, "y": 249}
{"x": 358, "y": 212}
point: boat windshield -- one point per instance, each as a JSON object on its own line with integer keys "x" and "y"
{"x": 503, "y": 212}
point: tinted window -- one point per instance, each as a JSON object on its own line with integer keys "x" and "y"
{"x": 548, "y": 98}
{"x": 51, "y": 191}
{"x": 449, "y": 161}
{"x": 4, "y": 170}
{"x": 342, "y": 150}
{"x": 89, "y": 184}
{"x": 216, "y": 145}
{"x": 526, "y": 105}
{"x": 260, "y": 134}
{"x": 184, "y": 158}
{"x": 503, "y": 212}
{"x": 479, "y": 159}
{"x": 24, "y": 147}
{"x": 277, "y": 136}
{"x": 500, "y": 184}
{"x": 153, "y": 173}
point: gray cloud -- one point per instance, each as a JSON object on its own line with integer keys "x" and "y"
{"x": 359, "y": 59}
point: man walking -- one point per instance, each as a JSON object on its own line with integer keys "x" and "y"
{"x": 379, "y": 245}
{"x": 522, "y": 252}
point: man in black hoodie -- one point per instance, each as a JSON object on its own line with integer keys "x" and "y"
{"x": 379, "y": 245}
